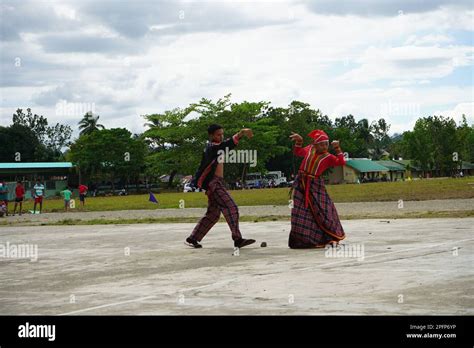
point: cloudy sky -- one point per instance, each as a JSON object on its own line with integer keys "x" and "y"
{"x": 394, "y": 59}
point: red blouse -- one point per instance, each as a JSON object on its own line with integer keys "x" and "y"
{"x": 316, "y": 164}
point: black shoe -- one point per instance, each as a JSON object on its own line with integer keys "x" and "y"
{"x": 192, "y": 243}
{"x": 240, "y": 243}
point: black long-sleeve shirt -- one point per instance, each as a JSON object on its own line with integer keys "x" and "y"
{"x": 208, "y": 165}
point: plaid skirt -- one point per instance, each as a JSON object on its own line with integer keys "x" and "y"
{"x": 318, "y": 224}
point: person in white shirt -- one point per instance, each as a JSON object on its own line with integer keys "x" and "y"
{"x": 38, "y": 194}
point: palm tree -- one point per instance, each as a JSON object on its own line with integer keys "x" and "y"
{"x": 89, "y": 124}
{"x": 364, "y": 131}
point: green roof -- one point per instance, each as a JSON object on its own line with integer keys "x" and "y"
{"x": 392, "y": 166}
{"x": 35, "y": 165}
{"x": 410, "y": 163}
{"x": 366, "y": 165}
{"x": 467, "y": 165}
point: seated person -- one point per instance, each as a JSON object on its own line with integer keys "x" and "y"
{"x": 3, "y": 209}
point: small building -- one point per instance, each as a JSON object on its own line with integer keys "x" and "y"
{"x": 396, "y": 171}
{"x": 54, "y": 175}
{"x": 411, "y": 169}
{"x": 357, "y": 170}
{"x": 467, "y": 168}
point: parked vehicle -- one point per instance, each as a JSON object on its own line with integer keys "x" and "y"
{"x": 254, "y": 180}
{"x": 188, "y": 188}
{"x": 276, "y": 179}
{"x": 271, "y": 179}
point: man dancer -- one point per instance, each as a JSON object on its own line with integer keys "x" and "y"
{"x": 210, "y": 177}
{"x": 314, "y": 219}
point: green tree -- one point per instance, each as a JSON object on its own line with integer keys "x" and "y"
{"x": 432, "y": 143}
{"x": 365, "y": 135}
{"x": 300, "y": 118}
{"x": 381, "y": 140}
{"x": 177, "y": 137}
{"x": 109, "y": 153}
{"x": 354, "y": 136}
{"x": 264, "y": 143}
{"x": 89, "y": 124}
{"x": 173, "y": 143}
{"x": 52, "y": 139}
{"x": 18, "y": 139}
{"x": 396, "y": 148}
{"x": 465, "y": 140}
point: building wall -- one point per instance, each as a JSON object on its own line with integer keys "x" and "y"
{"x": 350, "y": 175}
{"x": 336, "y": 175}
{"x": 396, "y": 176}
{"x": 414, "y": 174}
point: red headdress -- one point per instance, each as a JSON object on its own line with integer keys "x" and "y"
{"x": 319, "y": 136}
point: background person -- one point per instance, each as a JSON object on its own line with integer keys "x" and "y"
{"x": 19, "y": 196}
{"x": 38, "y": 195}
{"x": 4, "y": 195}
{"x": 82, "y": 194}
{"x": 67, "y": 194}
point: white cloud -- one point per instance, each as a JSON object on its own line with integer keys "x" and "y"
{"x": 376, "y": 8}
{"x": 341, "y": 63}
{"x": 64, "y": 11}
{"x": 459, "y": 110}
{"x": 409, "y": 62}
{"x": 430, "y": 39}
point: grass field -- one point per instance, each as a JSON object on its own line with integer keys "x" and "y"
{"x": 444, "y": 188}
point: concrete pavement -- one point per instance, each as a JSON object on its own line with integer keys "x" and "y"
{"x": 409, "y": 266}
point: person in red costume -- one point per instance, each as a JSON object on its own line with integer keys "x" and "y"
{"x": 314, "y": 219}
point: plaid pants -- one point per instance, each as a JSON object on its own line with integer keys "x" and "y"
{"x": 218, "y": 200}
{"x": 318, "y": 224}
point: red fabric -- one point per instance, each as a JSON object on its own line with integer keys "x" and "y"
{"x": 39, "y": 199}
{"x": 319, "y": 135}
{"x": 82, "y": 189}
{"x": 328, "y": 162}
{"x": 316, "y": 164}
{"x": 204, "y": 174}
{"x": 19, "y": 191}
{"x": 235, "y": 138}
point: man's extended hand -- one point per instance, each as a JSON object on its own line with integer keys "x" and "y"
{"x": 247, "y": 132}
{"x": 296, "y": 137}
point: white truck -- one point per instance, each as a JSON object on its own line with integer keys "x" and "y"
{"x": 273, "y": 178}
{"x": 277, "y": 178}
